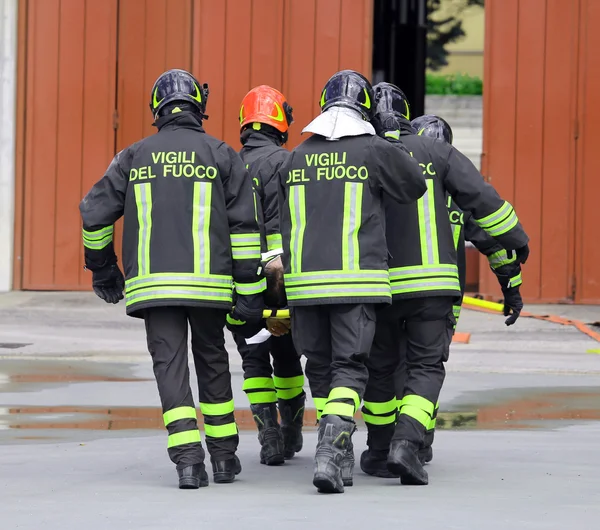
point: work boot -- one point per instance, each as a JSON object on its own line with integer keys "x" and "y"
{"x": 334, "y": 436}
{"x": 403, "y": 460}
{"x": 425, "y": 455}
{"x": 292, "y": 419}
{"x": 347, "y": 467}
{"x": 374, "y": 463}
{"x": 225, "y": 470}
{"x": 270, "y": 436}
{"x": 192, "y": 477}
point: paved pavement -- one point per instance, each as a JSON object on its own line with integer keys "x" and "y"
{"x": 81, "y": 441}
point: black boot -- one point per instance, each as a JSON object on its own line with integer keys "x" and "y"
{"x": 374, "y": 463}
{"x": 224, "y": 471}
{"x": 269, "y": 434}
{"x": 403, "y": 459}
{"x": 426, "y": 455}
{"x": 334, "y": 438}
{"x": 292, "y": 420}
{"x": 192, "y": 477}
{"x": 348, "y": 463}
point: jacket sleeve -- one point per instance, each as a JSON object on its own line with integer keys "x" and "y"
{"x": 101, "y": 208}
{"x": 398, "y": 174}
{"x": 472, "y": 194}
{"x": 268, "y": 176}
{"x": 243, "y": 225}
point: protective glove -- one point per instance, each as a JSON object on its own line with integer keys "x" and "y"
{"x": 522, "y": 254}
{"x": 509, "y": 278}
{"x": 108, "y": 283}
{"x": 248, "y": 308}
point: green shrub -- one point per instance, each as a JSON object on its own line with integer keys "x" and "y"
{"x": 453, "y": 85}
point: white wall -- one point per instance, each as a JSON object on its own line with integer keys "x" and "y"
{"x": 8, "y": 84}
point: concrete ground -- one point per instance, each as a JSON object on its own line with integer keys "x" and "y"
{"x": 81, "y": 441}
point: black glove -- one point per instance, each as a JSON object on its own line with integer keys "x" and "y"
{"x": 522, "y": 254}
{"x": 108, "y": 283}
{"x": 509, "y": 278}
{"x": 248, "y": 308}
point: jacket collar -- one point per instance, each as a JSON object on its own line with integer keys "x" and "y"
{"x": 185, "y": 120}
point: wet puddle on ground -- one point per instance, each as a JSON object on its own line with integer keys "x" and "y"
{"x": 500, "y": 409}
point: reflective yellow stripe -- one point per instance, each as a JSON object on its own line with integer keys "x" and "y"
{"x": 339, "y": 409}
{"x": 515, "y": 281}
{"x": 181, "y": 293}
{"x": 262, "y": 397}
{"x": 179, "y": 413}
{"x": 420, "y": 402}
{"x": 297, "y": 207}
{"x": 258, "y": 383}
{"x": 502, "y": 257}
{"x": 246, "y": 253}
{"x": 201, "y": 226}
{"x": 342, "y": 392}
{"x": 185, "y": 437}
{"x": 177, "y": 278}
{"x": 143, "y": 201}
{"x": 251, "y": 288}
{"x": 393, "y": 134}
{"x": 232, "y": 321}
{"x": 220, "y": 431}
{"x": 97, "y": 239}
{"x": 289, "y": 382}
{"x": 320, "y": 403}
{"x": 371, "y": 276}
{"x": 414, "y": 412}
{"x": 432, "y": 424}
{"x": 245, "y": 240}
{"x": 379, "y": 420}
{"x": 289, "y": 393}
{"x": 274, "y": 242}
{"x": 351, "y": 224}
{"x": 456, "y": 230}
{"x": 217, "y": 409}
{"x": 380, "y": 407}
{"x": 398, "y": 403}
{"x": 495, "y": 217}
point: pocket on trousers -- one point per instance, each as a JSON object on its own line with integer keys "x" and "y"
{"x": 366, "y": 329}
{"x": 450, "y": 327}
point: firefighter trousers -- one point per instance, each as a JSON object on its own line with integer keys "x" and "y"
{"x": 266, "y": 383}
{"x": 411, "y": 344}
{"x": 167, "y": 335}
{"x": 335, "y": 339}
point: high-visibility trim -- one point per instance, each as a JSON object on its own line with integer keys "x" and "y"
{"x": 393, "y": 134}
{"x": 420, "y": 402}
{"x": 179, "y": 413}
{"x": 502, "y": 257}
{"x": 320, "y": 402}
{"x": 289, "y": 382}
{"x": 449, "y": 284}
{"x": 232, "y": 321}
{"x": 423, "y": 271}
{"x": 427, "y": 226}
{"x": 297, "y": 204}
{"x": 416, "y": 413}
{"x": 179, "y": 293}
{"x": 251, "y": 288}
{"x": 174, "y": 278}
{"x": 182, "y": 438}
{"x": 220, "y": 431}
{"x": 432, "y": 424}
{"x": 337, "y": 290}
{"x": 311, "y": 278}
{"x": 456, "y": 311}
{"x": 379, "y": 420}
{"x": 201, "y": 210}
{"x": 339, "y": 409}
{"x": 274, "y": 242}
{"x": 351, "y": 223}
{"x": 267, "y": 256}
{"x": 456, "y": 231}
{"x": 143, "y": 201}
{"x": 258, "y": 383}
{"x": 503, "y": 220}
{"x": 246, "y": 253}
{"x": 379, "y": 407}
{"x": 256, "y": 398}
{"x": 217, "y": 409}
{"x": 245, "y": 240}
{"x": 515, "y": 281}
{"x": 98, "y": 239}
{"x": 342, "y": 392}
{"x": 289, "y": 393}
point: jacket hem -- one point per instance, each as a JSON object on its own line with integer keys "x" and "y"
{"x": 342, "y": 300}
{"x": 427, "y": 294}
{"x": 137, "y": 310}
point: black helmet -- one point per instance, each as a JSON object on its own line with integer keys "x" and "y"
{"x": 178, "y": 85}
{"x": 434, "y": 127}
{"x": 348, "y": 89}
{"x": 389, "y": 99}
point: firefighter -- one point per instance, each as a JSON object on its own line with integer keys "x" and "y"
{"x": 502, "y": 262}
{"x": 265, "y": 117}
{"x": 335, "y": 257}
{"x": 425, "y": 285}
{"x": 189, "y": 231}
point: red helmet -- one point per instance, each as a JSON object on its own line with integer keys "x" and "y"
{"x": 264, "y": 104}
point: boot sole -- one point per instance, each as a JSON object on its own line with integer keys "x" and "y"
{"x": 192, "y": 484}
{"x": 223, "y": 478}
{"x": 379, "y": 473}
{"x": 325, "y": 484}
{"x": 406, "y": 473}
{"x": 275, "y": 460}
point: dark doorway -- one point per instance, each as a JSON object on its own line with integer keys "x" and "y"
{"x": 400, "y": 47}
